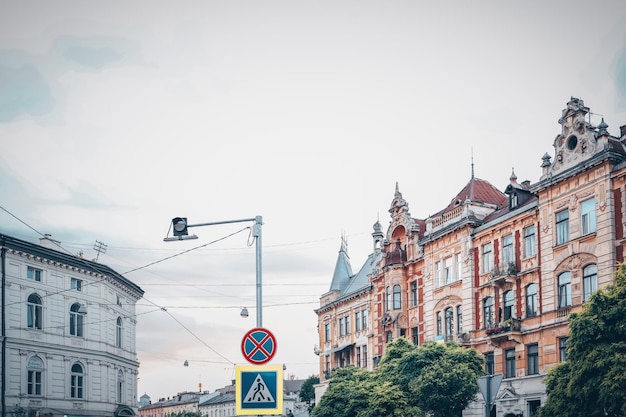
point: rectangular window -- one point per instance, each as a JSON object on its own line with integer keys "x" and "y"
{"x": 562, "y": 349}
{"x": 34, "y": 383}
{"x": 508, "y": 251}
{"x": 364, "y": 356}
{"x": 364, "y": 319}
{"x": 358, "y": 356}
{"x": 413, "y": 293}
{"x": 327, "y": 332}
{"x": 348, "y": 328}
{"x": 509, "y": 355}
{"x": 448, "y": 273}
{"x": 530, "y": 241}
{"x": 562, "y": 227}
{"x": 590, "y": 281}
{"x": 33, "y": 273}
{"x": 489, "y": 367}
{"x": 459, "y": 319}
{"x": 415, "y": 336}
{"x": 459, "y": 266}
{"x": 588, "y": 216}
{"x": 533, "y": 408}
{"x": 76, "y": 284}
{"x": 357, "y": 321}
{"x": 487, "y": 258}
{"x": 532, "y": 355}
{"x": 342, "y": 330}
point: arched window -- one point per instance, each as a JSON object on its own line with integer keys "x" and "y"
{"x": 565, "y": 290}
{"x": 397, "y": 298}
{"x": 76, "y": 320}
{"x": 508, "y": 304}
{"x": 590, "y": 281}
{"x": 449, "y": 317}
{"x": 118, "y": 332}
{"x": 531, "y": 300}
{"x": 120, "y": 387}
{"x": 34, "y": 373}
{"x": 34, "y": 312}
{"x": 488, "y": 311}
{"x": 77, "y": 381}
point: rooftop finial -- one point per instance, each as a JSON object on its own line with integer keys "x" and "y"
{"x": 472, "y": 163}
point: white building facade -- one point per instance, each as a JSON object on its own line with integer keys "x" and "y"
{"x": 68, "y": 334}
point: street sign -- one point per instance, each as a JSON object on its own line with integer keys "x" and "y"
{"x": 258, "y": 346}
{"x": 489, "y": 386}
{"x": 259, "y": 390}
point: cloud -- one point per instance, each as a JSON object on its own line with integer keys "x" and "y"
{"x": 95, "y": 53}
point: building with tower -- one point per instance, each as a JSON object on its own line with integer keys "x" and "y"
{"x": 496, "y": 270}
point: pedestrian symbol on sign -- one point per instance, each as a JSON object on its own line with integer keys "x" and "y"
{"x": 258, "y": 392}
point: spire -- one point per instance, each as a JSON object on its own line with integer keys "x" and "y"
{"x": 513, "y": 177}
{"x": 602, "y": 128}
{"x": 472, "y": 163}
{"x": 343, "y": 269}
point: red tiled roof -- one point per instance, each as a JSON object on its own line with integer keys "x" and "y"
{"x": 478, "y": 190}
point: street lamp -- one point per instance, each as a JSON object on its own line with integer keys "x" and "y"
{"x": 180, "y": 231}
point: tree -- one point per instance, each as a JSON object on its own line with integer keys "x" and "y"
{"x": 347, "y": 393}
{"x": 307, "y": 391}
{"x": 592, "y": 383}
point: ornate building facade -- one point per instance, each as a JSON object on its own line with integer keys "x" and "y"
{"x": 498, "y": 271}
{"x": 68, "y": 334}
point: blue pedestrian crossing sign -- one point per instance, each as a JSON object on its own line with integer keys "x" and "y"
{"x": 259, "y": 390}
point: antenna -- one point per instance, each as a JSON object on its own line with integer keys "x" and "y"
{"x": 472, "y": 153}
{"x": 100, "y": 248}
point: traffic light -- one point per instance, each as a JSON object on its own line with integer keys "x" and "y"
{"x": 179, "y": 226}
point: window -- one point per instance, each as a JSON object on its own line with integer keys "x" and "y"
{"x": 488, "y": 311}
{"x": 448, "y": 271}
{"x": 34, "y": 312}
{"x": 342, "y": 330}
{"x": 459, "y": 319}
{"x": 388, "y": 337}
{"x": 487, "y": 258}
{"x": 562, "y": 227}
{"x": 358, "y": 355}
{"x": 76, "y": 321}
{"x": 508, "y": 251}
{"x": 34, "y": 375}
{"x": 415, "y": 336}
{"x": 508, "y": 304}
{"x": 327, "y": 332}
{"x": 530, "y": 241}
{"x": 449, "y": 317}
{"x": 590, "y": 281}
{"x": 565, "y": 290}
{"x": 489, "y": 367}
{"x": 388, "y": 298}
{"x": 531, "y": 300}
{"x": 118, "y": 332}
{"x": 76, "y": 381}
{"x": 513, "y": 200}
{"x": 357, "y": 321}
{"x": 120, "y": 387}
{"x": 532, "y": 355}
{"x": 76, "y": 284}
{"x": 438, "y": 274}
{"x": 413, "y": 293}
{"x": 509, "y": 355}
{"x": 562, "y": 349}
{"x": 364, "y": 319}
{"x": 439, "y": 332}
{"x": 348, "y": 328}
{"x": 364, "y": 356}
{"x": 397, "y": 298}
{"x": 459, "y": 266}
{"x": 533, "y": 408}
{"x": 33, "y": 273}
{"x": 588, "y": 216}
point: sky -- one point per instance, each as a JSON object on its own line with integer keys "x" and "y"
{"x": 117, "y": 116}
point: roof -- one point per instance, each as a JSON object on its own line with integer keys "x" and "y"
{"x": 66, "y": 259}
{"x": 480, "y": 191}
{"x": 343, "y": 270}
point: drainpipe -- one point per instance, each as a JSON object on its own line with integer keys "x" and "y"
{"x": 4, "y": 338}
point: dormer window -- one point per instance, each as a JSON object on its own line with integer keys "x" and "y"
{"x": 572, "y": 141}
{"x": 513, "y": 200}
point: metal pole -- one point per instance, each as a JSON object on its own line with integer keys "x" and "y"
{"x": 259, "y": 304}
{"x": 488, "y": 399}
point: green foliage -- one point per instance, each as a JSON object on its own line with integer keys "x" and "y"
{"x": 592, "y": 383}
{"x": 438, "y": 379}
{"x": 307, "y": 391}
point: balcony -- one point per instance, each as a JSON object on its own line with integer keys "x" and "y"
{"x": 503, "y": 273}
{"x": 507, "y": 330}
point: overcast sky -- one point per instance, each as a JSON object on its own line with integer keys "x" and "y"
{"x": 116, "y": 116}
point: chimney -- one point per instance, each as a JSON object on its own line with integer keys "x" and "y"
{"x": 47, "y": 242}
